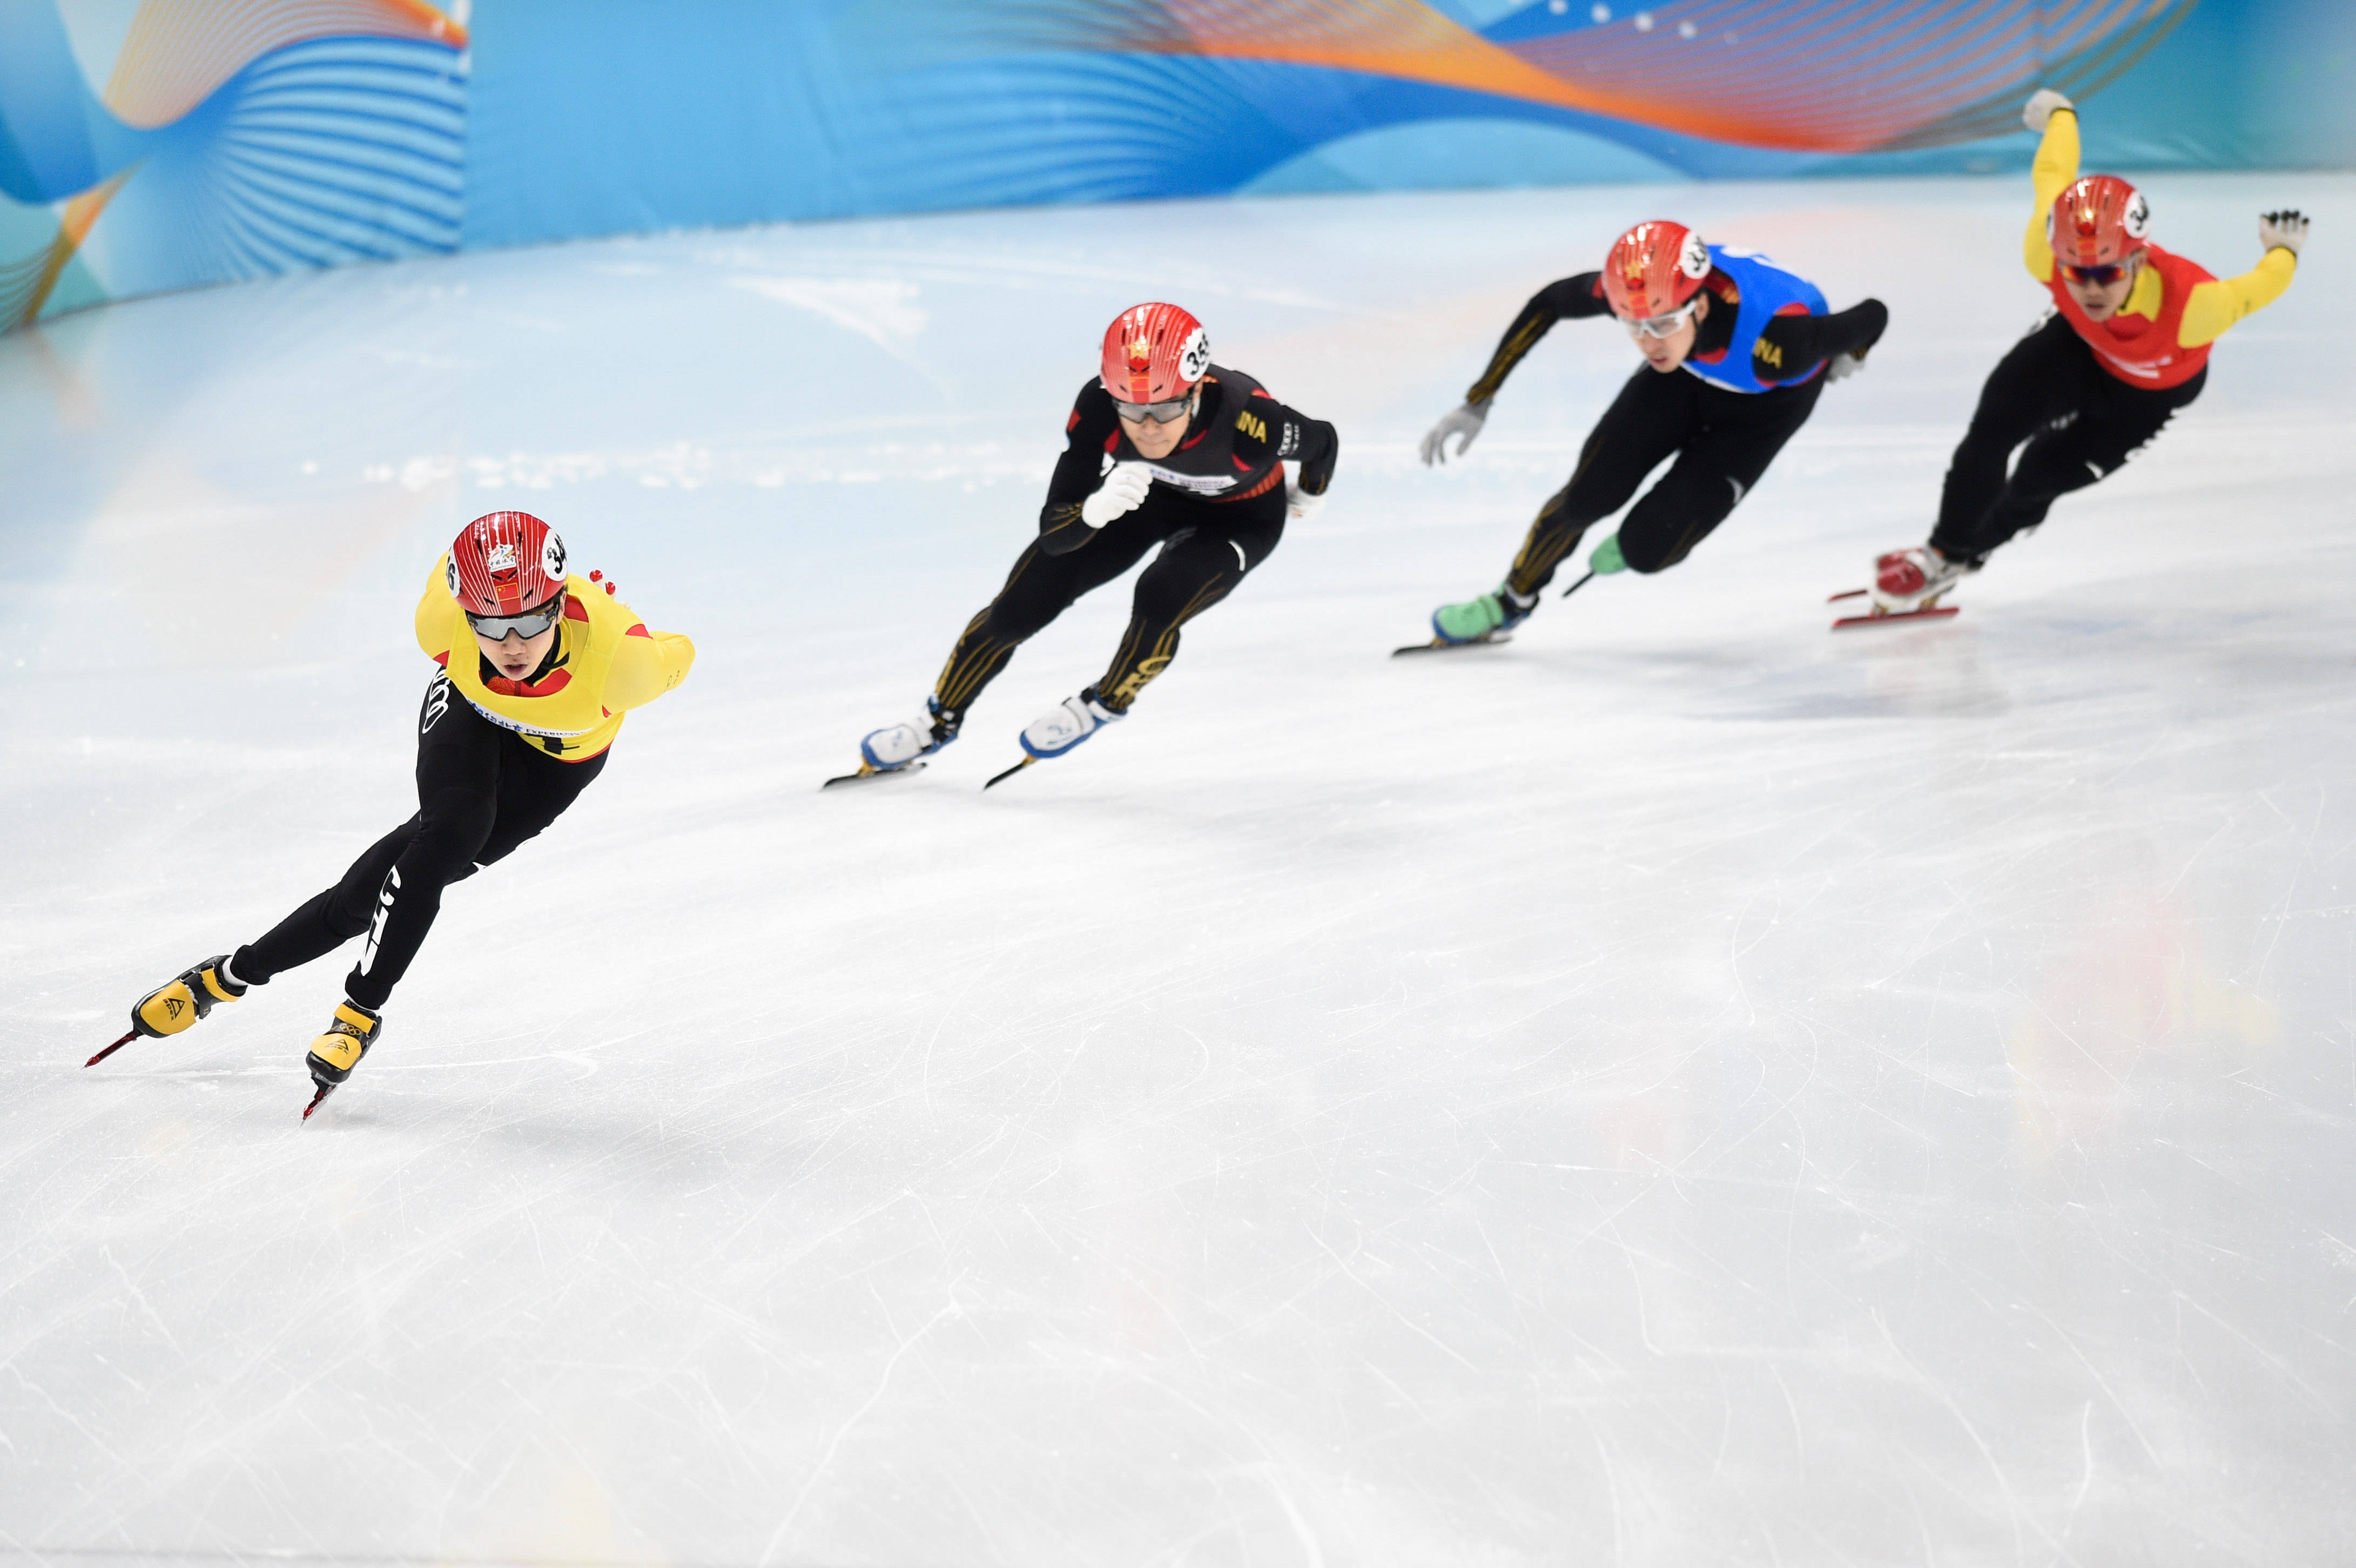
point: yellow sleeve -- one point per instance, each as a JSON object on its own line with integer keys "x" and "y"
{"x": 434, "y": 611}
{"x": 2216, "y": 304}
{"x": 2056, "y": 166}
{"x": 643, "y": 668}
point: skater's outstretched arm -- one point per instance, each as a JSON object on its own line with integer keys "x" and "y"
{"x": 2056, "y": 166}
{"x": 1790, "y": 348}
{"x": 646, "y": 665}
{"x": 1567, "y": 300}
{"x": 2216, "y": 304}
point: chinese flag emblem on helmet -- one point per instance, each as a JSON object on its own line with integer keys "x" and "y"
{"x": 2099, "y": 222}
{"x": 505, "y": 563}
{"x": 1653, "y": 269}
{"x": 1153, "y": 353}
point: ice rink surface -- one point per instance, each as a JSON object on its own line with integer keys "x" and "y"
{"x": 1683, "y": 1088}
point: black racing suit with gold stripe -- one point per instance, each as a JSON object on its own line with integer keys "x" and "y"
{"x": 1722, "y": 440}
{"x": 1216, "y": 507}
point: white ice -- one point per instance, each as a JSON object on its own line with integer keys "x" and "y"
{"x": 1686, "y": 1088}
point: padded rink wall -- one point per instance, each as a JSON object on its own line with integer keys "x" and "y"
{"x": 152, "y": 145}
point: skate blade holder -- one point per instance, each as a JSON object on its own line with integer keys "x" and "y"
{"x": 1879, "y": 617}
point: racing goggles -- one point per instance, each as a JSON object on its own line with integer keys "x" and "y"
{"x": 1159, "y": 413}
{"x": 2102, "y": 275}
{"x": 1661, "y": 326}
{"x": 527, "y": 625}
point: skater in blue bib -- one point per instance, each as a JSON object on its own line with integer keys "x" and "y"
{"x": 1736, "y": 351}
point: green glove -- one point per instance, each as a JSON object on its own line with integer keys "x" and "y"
{"x": 1607, "y": 558}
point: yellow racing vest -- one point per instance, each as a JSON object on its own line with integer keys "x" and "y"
{"x": 607, "y": 662}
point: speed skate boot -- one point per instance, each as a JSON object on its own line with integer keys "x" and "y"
{"x": 1915, "y": 579}
{"x": 170, "y": 1008}
{"x": 334, "y": 1054}
{"x": 1479, "y": 620}
{"x": 1066, "y": 724}
{"x": 894, "y": 746}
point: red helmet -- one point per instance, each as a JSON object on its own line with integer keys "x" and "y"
{"x": 1653, "y": 269}
{"x": 2099, "y": 222}
{"x": 1153, "y": 353}
{"x": 505, "y": 563}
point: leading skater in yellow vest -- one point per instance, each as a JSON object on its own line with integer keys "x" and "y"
{"x": 538, "y": 670}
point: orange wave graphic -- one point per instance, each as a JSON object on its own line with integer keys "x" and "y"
{"x": 178, "y": 51}
{"x": 26, "y": 288}
{"x": 1792, "y": 76}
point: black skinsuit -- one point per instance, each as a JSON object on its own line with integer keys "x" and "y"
{"x": 1216, "y": 507}
{"x": 1722, "y": 440}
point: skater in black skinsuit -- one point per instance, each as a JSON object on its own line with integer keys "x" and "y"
{"x": 1196, "y": 454}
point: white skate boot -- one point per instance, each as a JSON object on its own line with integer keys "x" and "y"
{"x": 1066, "y": 724}
{"x": 899, "y": 749}
{"x": 1908, "y": 581}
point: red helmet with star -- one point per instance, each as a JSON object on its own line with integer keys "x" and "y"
{"x": 1153, "y": 353}
{"x": 1653, "y": 269}
{"x": 504, "y": 563}
{"x": 2099, "y": 222}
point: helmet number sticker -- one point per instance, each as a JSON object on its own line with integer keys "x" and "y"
{"x": 1693, "y": 260}
{"x": 552, "y": 557}
{"x": 1194, "y": 359}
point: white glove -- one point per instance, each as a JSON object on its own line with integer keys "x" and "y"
{"x": 1841, "y": 365}
{"x": 1464, "y": 422}
{"x": 2287, "y": 229}
{"x": 1120, "y": 494}
{"x": 1299, "y": 504}
{"x": 2040, "y": 106}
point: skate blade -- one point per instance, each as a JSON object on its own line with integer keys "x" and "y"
{"x": 1892, "y": 618}
{"x": 1000, "y": 778}
{"x": 317, "y": 1099}
{"x": 1493, "y": 640}
{"x": 1851, "y": 593}
{"x": 113, "y": 1049}
{"x": 867, "y": 773}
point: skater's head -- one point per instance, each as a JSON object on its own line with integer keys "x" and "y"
{"x": 1652, "y": 279}
{"x": 2096, "y": 231}
{"x": 506, "y": 569}
{"x": 1155, "y": 357}
{"x": 523, "y": 642}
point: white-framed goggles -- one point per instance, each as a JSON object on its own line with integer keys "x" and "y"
{"x": 1663, "y": 325}
{"x": 527, "y": 624}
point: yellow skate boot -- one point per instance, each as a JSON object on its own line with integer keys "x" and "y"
{"x": 178, "y": 1003}
{"x": 334, "y": 1054}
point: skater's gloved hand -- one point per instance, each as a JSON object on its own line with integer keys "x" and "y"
{"x": 2287, "y": 228}
{"x": 2040, "y": 106}
{"x": 1120, "y": 493}
{"x": 1299, "y": 504}
{"x": 1607, "y": 558}
{"x": 1841, "y": 365}
{"x": 1465, "y": 422}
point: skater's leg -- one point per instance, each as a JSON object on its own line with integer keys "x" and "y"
{"x": 343, "y": 910}
{"x": 2044, "y": 378}
{"x": 2116, "y": 423}
{"x": 1200, "y": 564}
{"x": 460, "y": 759}
{"x": 325, "y": 921}
{"x": 1645, "y": 425}
{"x": 1740, "y": 437}
{"x": 1039, "y": 588}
